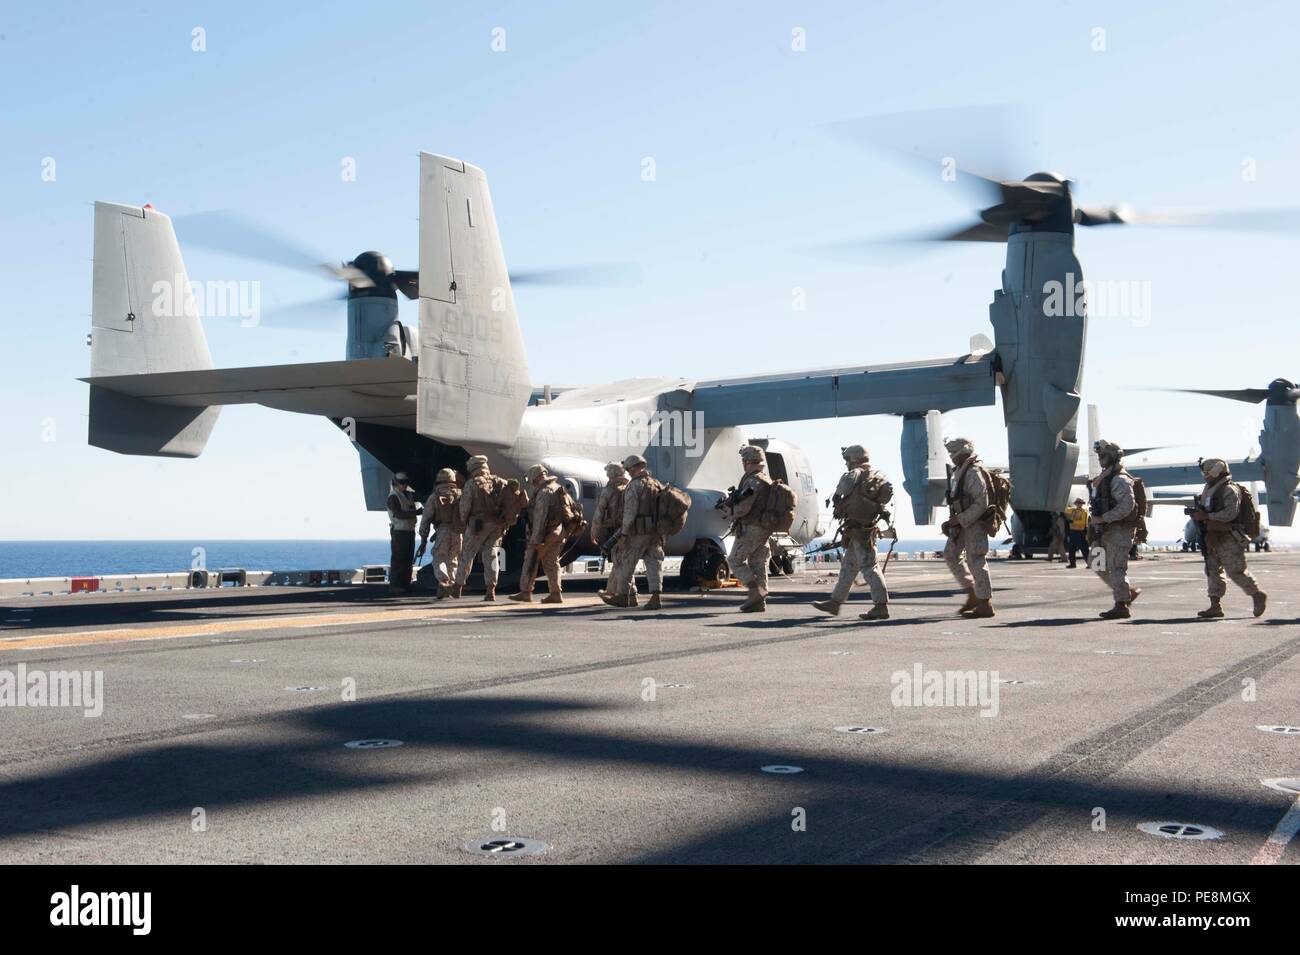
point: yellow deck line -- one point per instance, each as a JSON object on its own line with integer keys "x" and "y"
{"x": 211, "y": 625}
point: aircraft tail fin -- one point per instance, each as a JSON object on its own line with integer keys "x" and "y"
{"x": 474, "y": 381}
{"x": 143, "y": 320}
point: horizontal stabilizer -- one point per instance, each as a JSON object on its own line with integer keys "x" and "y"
{"x": 375, "y": 390}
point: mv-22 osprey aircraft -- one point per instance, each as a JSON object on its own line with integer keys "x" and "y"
{"x": 422, "y": 399}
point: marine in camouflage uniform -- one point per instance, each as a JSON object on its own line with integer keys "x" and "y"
{"x": 1114, "y": 520}
{"x": 608, "y": 519}
{"x": 442, "y": 516}
{"x": 750, "y": 550}
{"x": 482, "y": 536}
{"x": 967, "y": 529}
{"x": 546, "y": 537}
{"x": 640, "y": 541}
{"x": 859, "y": 539}
{"x": 1219, "y": 505}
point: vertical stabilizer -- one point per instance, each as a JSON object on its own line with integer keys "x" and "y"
{"x": 143, "y": 320}
{"x": 474, "y": 382}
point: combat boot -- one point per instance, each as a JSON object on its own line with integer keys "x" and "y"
{"x": 490, "y": 596}
{"x": 983, "y": 608}
{"x": 831, "y": 606}
{"x": 552, "y": 597}
{"x": 653, "y": 602}
{"x": 878, "y": 612}
{"x": 1261, "y": 600}
{"x": 524, "y": 596}
{"x": 1215, "y": 609}
{"x": 971, "y": 603}
{"x": 1118, "y": 612}
{"x": 754, "y": 603}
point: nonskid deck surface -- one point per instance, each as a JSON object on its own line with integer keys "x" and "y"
{"x": 611, "y": 735}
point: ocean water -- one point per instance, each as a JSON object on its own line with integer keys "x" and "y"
{"x": 97, "y": 558}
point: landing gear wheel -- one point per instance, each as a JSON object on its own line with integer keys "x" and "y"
{"x": 716, "y": 571}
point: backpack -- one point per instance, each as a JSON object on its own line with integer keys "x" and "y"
{"x": 1247, "y": 520}
{"x": 999, "y": 486}
{"x": 504, "y": 501}
{"x": 570, "y": 513}
{"x": 647, "y": 514}
{"x": 446, "y": 511}
{"x": 672, "y": 504}
{"x": 779, "y": 508}
{"x": 865, "y": 501}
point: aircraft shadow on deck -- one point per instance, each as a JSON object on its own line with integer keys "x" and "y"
{"x": 842, "y": 796}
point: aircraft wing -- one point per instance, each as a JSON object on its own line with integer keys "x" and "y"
{"x": 374, "y": 390}
{"x": 906, "y": 387}
{"x": 1174, "y": 475}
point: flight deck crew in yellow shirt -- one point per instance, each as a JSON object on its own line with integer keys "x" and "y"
{"x": 1076, "y": 537}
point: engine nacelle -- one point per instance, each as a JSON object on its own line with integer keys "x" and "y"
{"x": 1040, "y": 322}
{"x": 924, "y": 464}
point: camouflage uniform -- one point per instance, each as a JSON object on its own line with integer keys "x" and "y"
{"x": 546, "y": 537}
{"x": 608, "y": 517}
{"x": 442, "y": 516}
{"x": 639, "y": 542}
{"x": 482, "y": 538}
{"x": 968, "y": 536}
{"x": 1225, "y": 547}
{"x": 750, "y": 550}
{"x": 859, "y": 539}
{"x": 1113, "y": 490}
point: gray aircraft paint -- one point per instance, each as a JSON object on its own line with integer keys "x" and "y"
{"x": 471, "y": 387}
{"x": 135, "y": 251}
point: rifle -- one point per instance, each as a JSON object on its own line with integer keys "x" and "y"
{"x": 892, "y": 533}
{"x": 1197, "y": 507}
{"x": 732, "y": 497}
{"x": 607, "y": 548}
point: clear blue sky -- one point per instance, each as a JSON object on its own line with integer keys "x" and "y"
{"x": 747, "y": 173}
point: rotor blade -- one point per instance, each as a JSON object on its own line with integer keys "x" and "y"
{"x": 314, "y": 315}
{"x": 612, "y": 275}
{"x": 1154, "y": 447}
{"x": 1102, "y": 215}
{"x": 1249, "y": 395}
{"x": 877, "y": 250}
{"x": 987, "y": 144}
{"x": 979, "y": 232}
{"x": 1258, "y": 220}
{"x": 237, "y": 235}
{"x": 407, "y": 282}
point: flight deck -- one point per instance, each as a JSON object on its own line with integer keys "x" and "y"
{"x": 342, "y": 724}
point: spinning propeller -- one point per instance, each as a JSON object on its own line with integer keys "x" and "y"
{"x": 973, "y": 147}
{"x": 368, "y": 274}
